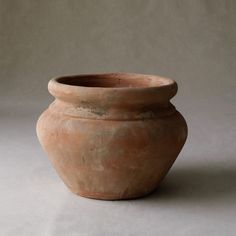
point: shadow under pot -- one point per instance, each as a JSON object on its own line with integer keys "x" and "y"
{"x": 112, "y": 136}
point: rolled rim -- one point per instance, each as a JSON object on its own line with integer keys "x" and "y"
{"x": 132, "y": 86}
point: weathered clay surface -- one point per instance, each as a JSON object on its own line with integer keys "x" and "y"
{"x": 112, "y": 136}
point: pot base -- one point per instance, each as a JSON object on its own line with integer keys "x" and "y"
{"x": 113, "y": 197}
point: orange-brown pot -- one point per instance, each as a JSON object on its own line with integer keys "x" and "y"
{"x": 112, "y": 136}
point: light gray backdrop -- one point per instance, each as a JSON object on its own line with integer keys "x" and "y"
{"x": 191, "y": 41}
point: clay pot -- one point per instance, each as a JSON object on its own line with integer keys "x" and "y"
{"x": 112, "y": 136}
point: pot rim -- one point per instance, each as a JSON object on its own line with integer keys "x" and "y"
{"x": 146, "y": 93}
{"x": 62, "y": 87}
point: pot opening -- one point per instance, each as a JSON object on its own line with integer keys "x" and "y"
{"x": 118, "y": 80}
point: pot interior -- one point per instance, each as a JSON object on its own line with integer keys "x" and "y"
{"x": 113, "y": 81}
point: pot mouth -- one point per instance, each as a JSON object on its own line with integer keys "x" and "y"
{"x": 113, "y": 92}
{"x": 114, "y": 81}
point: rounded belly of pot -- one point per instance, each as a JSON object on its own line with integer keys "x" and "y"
{"x": 111, "y": 159}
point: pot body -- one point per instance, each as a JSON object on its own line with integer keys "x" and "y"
{"x": 117, "y": 158}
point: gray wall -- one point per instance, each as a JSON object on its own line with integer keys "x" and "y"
{"x": 191, "y": 41}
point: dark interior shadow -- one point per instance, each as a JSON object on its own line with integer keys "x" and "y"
{"x": 198, "y": 183}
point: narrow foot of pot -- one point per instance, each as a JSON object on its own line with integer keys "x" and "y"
{"x": 113, "y": 197}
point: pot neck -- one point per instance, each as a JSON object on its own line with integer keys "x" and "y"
{"x": 102, "y": 113}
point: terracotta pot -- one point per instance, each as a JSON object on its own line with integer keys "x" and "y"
{"x": 112, "y": 136}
